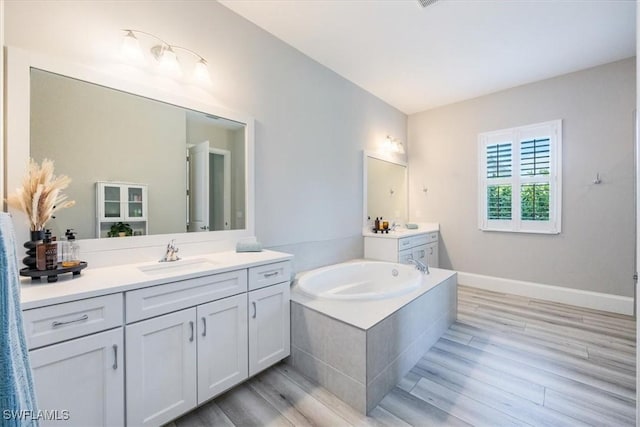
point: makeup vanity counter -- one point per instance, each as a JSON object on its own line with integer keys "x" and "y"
{"x": 142, "y": 344}
{"x": 404, "y": 244}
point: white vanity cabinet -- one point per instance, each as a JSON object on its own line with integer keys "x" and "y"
{"x": 269, "y": 319}
{"x": 77, "y": 360}
{"x": 157, "y": 348}
{"x": 189, "y": 341}
{"x": 398, "y": 248}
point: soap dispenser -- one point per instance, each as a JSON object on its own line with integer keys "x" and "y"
{"x": 47, "y": 253}
{"x": 71, "y": 252}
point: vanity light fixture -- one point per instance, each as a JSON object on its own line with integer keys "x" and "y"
{"x": 393, "y": 145}
{"x": 165, "y": 54}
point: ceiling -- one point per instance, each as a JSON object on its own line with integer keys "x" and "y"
{"x": 418, "y": 58}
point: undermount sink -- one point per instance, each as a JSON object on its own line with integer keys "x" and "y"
{"x": 176, "y": 266}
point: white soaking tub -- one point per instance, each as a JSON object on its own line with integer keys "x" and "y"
{"x": 362, "y": 280}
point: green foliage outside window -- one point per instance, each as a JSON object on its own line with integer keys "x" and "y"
{"x": 535, "y": 202}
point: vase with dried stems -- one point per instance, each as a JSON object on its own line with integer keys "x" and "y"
{"x": 39, "y": 198}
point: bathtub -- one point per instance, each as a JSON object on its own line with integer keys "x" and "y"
{"x": 358, "y": 327}
{"x": 363, "y": 280}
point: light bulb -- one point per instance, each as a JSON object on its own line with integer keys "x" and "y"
{"x": 169, "y": 62}
{"x": 388, "y": 144}
{"x": 201, "y": 72}
{"x": 131, "y": 47}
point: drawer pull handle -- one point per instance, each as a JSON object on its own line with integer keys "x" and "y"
{"x": 273, "y": 273}
{"x": 255, "y": 309}
{"x": 204, "y": 326}
{"x": 191, "y": 324}
{"x": 115, "y": 356}
{"x": 79, "y": 319}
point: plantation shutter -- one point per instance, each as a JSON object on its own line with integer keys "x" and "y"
{"x": 520, "y": 180}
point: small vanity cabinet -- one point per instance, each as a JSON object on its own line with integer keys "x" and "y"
{"x": 158, "y": 348}
{"x": 400, "y": 247}
{"x": 269, "y": 322}
{"x": 76, "y": 353}
{"x": 121, "y": 202}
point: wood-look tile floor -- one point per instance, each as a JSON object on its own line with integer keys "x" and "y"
{"x": 508, "y": 360}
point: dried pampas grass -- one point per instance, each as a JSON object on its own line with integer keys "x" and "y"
{"x": 41, "y": 194}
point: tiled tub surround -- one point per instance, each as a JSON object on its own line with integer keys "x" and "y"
{"x": 359, "y": 350}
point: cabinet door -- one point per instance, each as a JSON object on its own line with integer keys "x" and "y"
{"x": 85, "y": 377}
{"x": 110, "y": 202}
{"x": 222, "y": 345}
{"x": 269, "y": 338}
{"x": 432, "y": 254}
{"x": 161, "y": 368}
{"x": 136, "y": 203}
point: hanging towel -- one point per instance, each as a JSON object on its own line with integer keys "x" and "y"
{"x": 17, "y": 395}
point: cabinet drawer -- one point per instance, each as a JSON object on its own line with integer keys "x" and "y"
{"x": 412, "y": 242}
{"x": 55, "y": 323}
{"x": 269, "y": 274}
{"x": 432, "y": 237}
{"x": 161, "y": 299}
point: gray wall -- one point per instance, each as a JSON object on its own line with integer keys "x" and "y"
{"x": 596, "y": 247}
{"x": 311, "y": 124}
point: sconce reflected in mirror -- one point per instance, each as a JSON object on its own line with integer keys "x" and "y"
{"x": 165, "y": 54}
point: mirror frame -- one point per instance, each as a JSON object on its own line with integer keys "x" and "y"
{"x": 19, "y": 63}
{"x": 365, "y": 187}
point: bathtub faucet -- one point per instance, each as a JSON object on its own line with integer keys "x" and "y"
{"x": 420, "y": 266}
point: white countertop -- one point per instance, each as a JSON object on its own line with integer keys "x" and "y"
{"x": 108, "y": 280}
{"x": 365, "y": 314}
{"x": 400, "y": 232}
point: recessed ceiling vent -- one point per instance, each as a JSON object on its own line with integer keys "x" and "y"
{"x": 425, "y": 3}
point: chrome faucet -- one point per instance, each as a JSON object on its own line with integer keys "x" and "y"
{"x": 420, "y": 266}
{"x": 172, "y": 252}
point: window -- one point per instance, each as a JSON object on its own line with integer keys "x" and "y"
{"x": 520, "y": 178}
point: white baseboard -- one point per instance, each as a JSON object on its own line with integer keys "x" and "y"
{"x": 580, "y": 298}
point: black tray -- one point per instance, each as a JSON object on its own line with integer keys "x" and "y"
{"x": 52, "y": 275}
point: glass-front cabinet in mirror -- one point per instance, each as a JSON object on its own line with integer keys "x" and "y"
{"x": 121, "y": 209}
{"x": 189, "y": 166}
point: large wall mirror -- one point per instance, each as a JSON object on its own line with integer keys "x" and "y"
{"x": 385, "y": 188}
{"x": 189, "y": 163}
{"x": 160, "y": 162}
